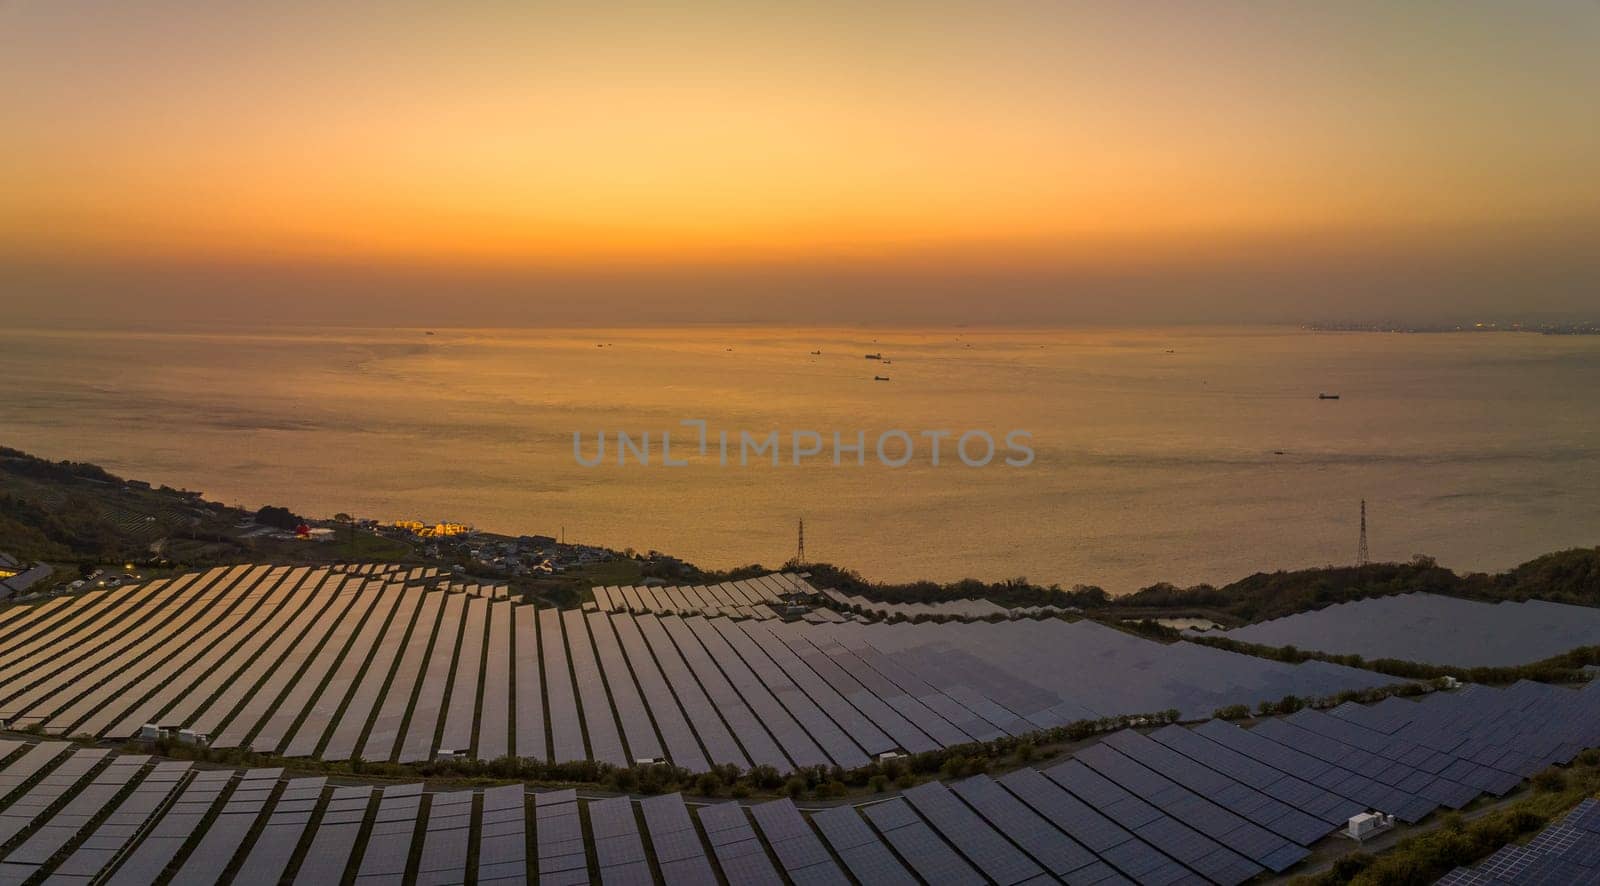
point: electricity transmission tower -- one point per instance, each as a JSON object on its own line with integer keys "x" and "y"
{"x": 800, "y": 549}
{"x": 1361, "y": 550}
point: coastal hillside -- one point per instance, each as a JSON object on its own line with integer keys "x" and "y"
{"x": 1571, "y": 576}
{"x": 75, "y": 512}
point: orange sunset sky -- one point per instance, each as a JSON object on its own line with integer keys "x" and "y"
{"x": 1252, "y": 159}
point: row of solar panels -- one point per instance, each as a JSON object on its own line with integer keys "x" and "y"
{"x": 313, "y": 662}
{"x": 496, "y": 592}
{"x": 1566, "y": 853}
{"x": 1435, "y": 629}
{"x": 750, "y": 598}
{"x": 970, "y": 610}
{"x": 1216, "y": 803}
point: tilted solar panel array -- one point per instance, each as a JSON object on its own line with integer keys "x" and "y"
{"x": 962, "y": 610}
{"x": 750, "y": 598}
{"x": 1214, "y": 803}
{"x": 365, "y": 662}
{"x": 1435, "y": 629}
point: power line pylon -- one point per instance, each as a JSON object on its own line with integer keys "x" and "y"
{"x": 800, "y": 549}
{"x": 1361, "y": 550}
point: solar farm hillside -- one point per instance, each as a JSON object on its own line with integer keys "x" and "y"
{"x": 1434, "y": 629}
{"x": 384, "y": 664}
{"x": 1213, "y": 803}
{"x": 1562, "y": 854}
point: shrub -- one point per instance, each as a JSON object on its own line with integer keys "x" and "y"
{"x": 1550, "y": 781}
{"x": 709, "y": 784}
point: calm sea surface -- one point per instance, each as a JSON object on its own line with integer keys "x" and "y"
{"x": 1182, "y": 455}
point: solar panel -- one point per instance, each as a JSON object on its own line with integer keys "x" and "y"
{"x": 341, "y": 745}
{"x": 652, "y": 603}
{"x": 798, "y": 745}
{"x": 110, "y": 839}
{"x": 223, "y": 837}
{"x": 726, "y": 700}
{"x": 59, "y": 829}
{"x": 631, "y": 600}
{"x": 274, "y": 847}
{"x": 335, "y": 837}
{"x": 262, "y": 649}
{"x": 29, "y": 764}
{"x": 788, "y": 699}
{"x": 427, "y": 708}
{"x": 96, "y": 619}
{"x": 383, "y": 734}
{"x": 444, "y": 845}
{"x": 716, "y": 595}
{"x": 172, "y": 830}
{"x": 45, "y": 617}
{"x": 1059, "y": 853}
{"x": 182, "y": 665}
{"x": 1280, "y": 818}
{"x": 295, "y": 702}
{"x": 118, "y": 664}
{"x": 682, "y": 747}
{"x": 502, "y": 845}
{"x": 371, "y": 638}
{"x": 942, "y": 658}
{"x": 559, "y": 833}
{"x": 859, "y": 847}
{"x": 718, "y": 742}
{"x": 1376, "y": 743}
{"x": 1155, "y": 827}
{"x": 993, "y": 854}
{"x": 637, "y": 727}
{"x": 16, "y": 619}
{"x": 618, "y": 849}
{"x": 693, "y": 601}
{"x": 674, "y": 841}
{"x": 911, "y": 709}
{"x": 528, "y": 701}
{"x": 1435, "y": 629}
{"x": 57, "y": 783}
{"x": 974, "y": 727}
{"x": 494, "y": 724}
{"x": 674, "y": 600}
{"x": 734, "y": 842}
{"x": 932, "y": 858}
{"x": 565, "y": 727}
{"x": 389, "y": 840}
{"x": 1327, "y": 807}
{"x": 283, "y": 660}
{"x": 599, "y": 720}
{"x": 460, "y": 717}
{"x": 802, "y": 855}
{"x": 1376, "y": 781}
{"x": 901, "y": 730}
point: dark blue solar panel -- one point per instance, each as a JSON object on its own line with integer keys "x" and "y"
{"x": 993, "y": 854}
{"x": 1053, "y": 848}
{"x": 932, "y": 858}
